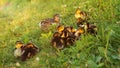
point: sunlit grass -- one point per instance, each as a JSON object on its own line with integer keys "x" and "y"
{"x": 19, "y": 21}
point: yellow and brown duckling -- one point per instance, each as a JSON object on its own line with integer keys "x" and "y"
{"x": 81, "y": 17}
{"x": 57, "y": 41}
{"x": 78, "y": 32}
{"x": 44, "y": 25}
{"x": 25, "y": 52}
{"x": 70, "y": 39}
{"x": 90, "y": 28}
{"x": 82, "y": 22}
{"x": 30, "y": 50}
{"x": 65, "y": 31}
{"x": 67, "y": 34}
{"x": 18, "y": 49}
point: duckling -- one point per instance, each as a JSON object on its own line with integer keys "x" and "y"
{"x": 81, "y": 14}
{"x": 80, "y": 22}
{"x": 30, "y": 50}
{"x": 71, "y": 38}
{"x": 65, "y": 33}
{"x": 81, "y": 17}
{"x": 78, "y": 32}
{"x": 44, "y": 25}
{"x": 57, "y": 41}
{"x": 68, "y": 36}
{"x": 91, "y": 28}
{"x": 18, "y": 49}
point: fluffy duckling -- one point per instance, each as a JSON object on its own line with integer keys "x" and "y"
{"x": 78, "y": 32}
{"x": 71, "y": 38}
{"x": 57, "y": 41}
{"x": 65, "y": 33}
{"x": 49, "y": 21}
{"x": 18, "y": 49}
{"x": 91, "y": 28}
{"x": 81, "y": 17}
{"x": 30, "y": 50}
{"x": 81, "y": 14}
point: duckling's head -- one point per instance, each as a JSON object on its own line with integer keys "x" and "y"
{"x": 19, "y": 44}
{"x": 56, "y": 18}
{"x": 77, "y": 13}
{"x": 60, "y": 28}
{"x": 81, "y": 14}
{"x": 93, "y": 29}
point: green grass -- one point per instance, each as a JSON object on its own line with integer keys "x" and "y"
{"x": 19, "y": 21}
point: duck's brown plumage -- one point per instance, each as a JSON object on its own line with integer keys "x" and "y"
{"x": 30, "y": 50}
{"x": 78, "y": 32}
{"x": 49, "y": 21}
{"x": 81, "y": 17}
{"x": 18, "y": 49}
{"x": 57, "y": 41}
{"x": 91, "y": 28}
